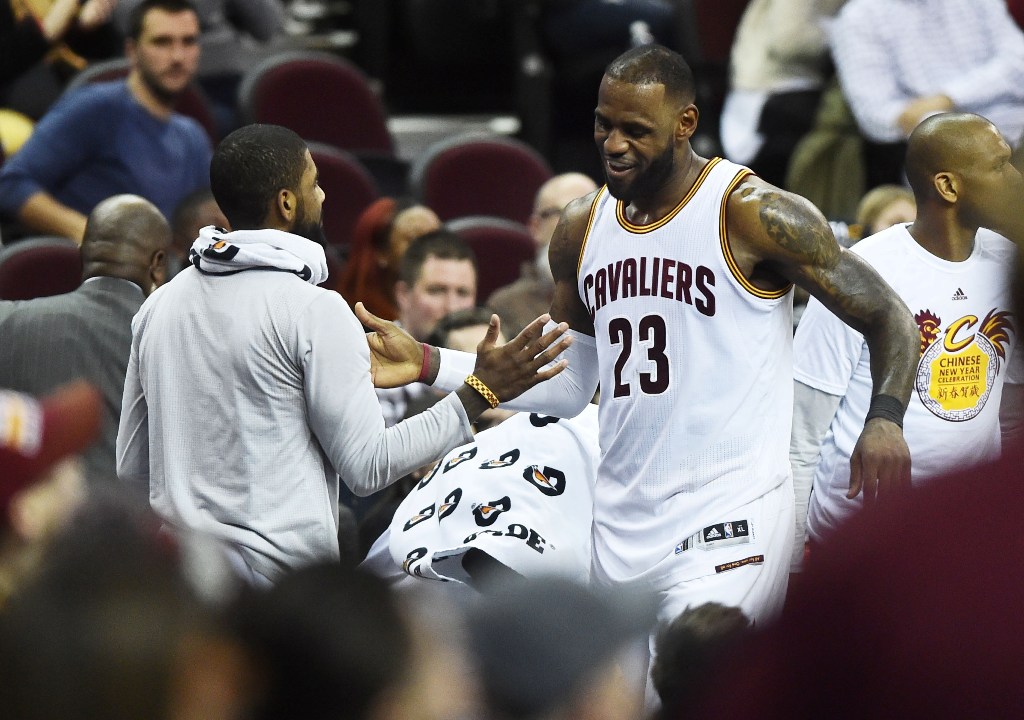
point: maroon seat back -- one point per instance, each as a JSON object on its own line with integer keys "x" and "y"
{"x": 322, "y": 97}
{"x": 349, "y": 189}
{"x": 479, "y": 175}
{"x": 39, "y": 267}
{"x": 501, "y": 247}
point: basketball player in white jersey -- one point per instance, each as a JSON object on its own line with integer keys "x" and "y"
{"x": 675, "y": 281}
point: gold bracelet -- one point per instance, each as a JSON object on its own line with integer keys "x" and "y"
{"x": 477, "y": 384}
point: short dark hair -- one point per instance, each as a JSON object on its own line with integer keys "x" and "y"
{"x": 248, "y": 169}
{"x": 690, "y": 648}
{"x": 138, "y": 13}
{"x": 443, "y": 244}
{"x": 655, "y": 64}
{"x": 457, "y": 320}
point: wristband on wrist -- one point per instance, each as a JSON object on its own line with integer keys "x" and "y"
{"x": 886, "y": 407}
{"x": 425, "y": 367}
{"x": 477, "y": 384}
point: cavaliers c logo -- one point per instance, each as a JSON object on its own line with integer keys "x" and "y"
{"x": 549, "y": 481}
{"x": 487, "y": 513}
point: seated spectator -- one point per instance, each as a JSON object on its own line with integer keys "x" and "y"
{"x": 437, "y": 275}
{"x": 379, "y": 240}
{"x": 529, "y": 297}
{"x": 778, "y": 67}
{"x": 960, "y": 56}
{"x": 115, "y": 137}
{"x": 881, "y": 208}
{"x": 87, "y": 333}
{"x": 196, "y": 210}
{"x": 237, "y": 34}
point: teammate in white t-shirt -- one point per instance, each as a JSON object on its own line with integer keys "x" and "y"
{"x": 675, "y": 282}
{"x": 956, "y": 280}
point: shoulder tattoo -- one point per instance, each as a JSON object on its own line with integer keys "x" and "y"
{"x": 794, "y": 229}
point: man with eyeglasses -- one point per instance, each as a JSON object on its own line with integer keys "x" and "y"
{"x": 530, "y": 296}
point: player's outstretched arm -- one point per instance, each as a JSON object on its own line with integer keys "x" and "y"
{"x": 397, "y": 358}
{"x": 782, "y": 234}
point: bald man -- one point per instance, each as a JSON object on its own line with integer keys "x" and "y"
{"x": 955, "y": 275}
{"x": 87, "y": 333}
{"x": 530, "y": 296}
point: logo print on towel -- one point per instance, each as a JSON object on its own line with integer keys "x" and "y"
{"x": 411, "y": 563}
{"x": 549, "y": 481}
{"x": 460, "y": 458}
{"x": 221, "y": 250}
{"x": 451, "y": 502}
{"x": 505, "y": 460}
{"x": 423, "y": 483}
{"x": 487, "y": 513}
{"x": 424, "y": 514}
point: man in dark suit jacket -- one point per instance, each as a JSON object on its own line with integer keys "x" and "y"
{"x": 47, "y": 342}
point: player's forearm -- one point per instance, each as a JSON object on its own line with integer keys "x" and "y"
{"x": 893, "y": 341}
{"x": 43, "y": 214}
{"x": 565, "y": 395}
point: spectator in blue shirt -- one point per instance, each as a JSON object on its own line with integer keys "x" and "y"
{"x": 116, "y": 137}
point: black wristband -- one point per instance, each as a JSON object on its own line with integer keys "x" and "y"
{"x": 886, "y": 407}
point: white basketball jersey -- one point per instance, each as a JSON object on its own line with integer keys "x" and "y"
{"x": 696, "y": 375}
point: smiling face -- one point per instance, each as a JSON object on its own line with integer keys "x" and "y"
{"x": 637, "y": 130}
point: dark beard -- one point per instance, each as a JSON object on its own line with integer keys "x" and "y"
{"x": 648, "y": 183}
{"x": 311, "y": 231}
{"x": 162, "y": 94}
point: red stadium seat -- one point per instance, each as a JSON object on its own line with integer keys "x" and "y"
{"x": 501, "y": 247}
{"x": 349, "y": 189}
{"x": 320, "y": 96}
{"x": 479, "y": 175}
{"x": 39, "y": 267}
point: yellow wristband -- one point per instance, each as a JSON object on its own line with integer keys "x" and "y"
{"x": 477, "y": 384}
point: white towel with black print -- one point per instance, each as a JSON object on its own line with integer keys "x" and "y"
{"x": 522, "y": 492}
{"x": 217, "y": 252}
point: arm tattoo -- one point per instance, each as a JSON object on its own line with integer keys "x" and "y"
{"x": 790, "y": 227}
